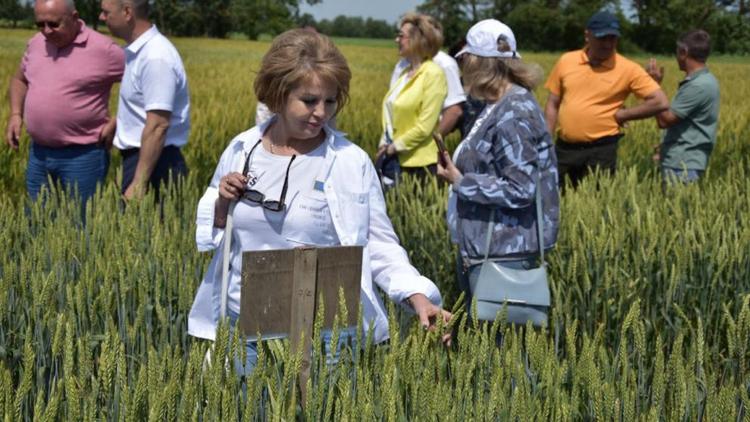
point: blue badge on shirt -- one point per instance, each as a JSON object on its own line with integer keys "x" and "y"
{"x": 319, "y": 185}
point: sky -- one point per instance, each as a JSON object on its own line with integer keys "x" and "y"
{"x": 388, "y": 10}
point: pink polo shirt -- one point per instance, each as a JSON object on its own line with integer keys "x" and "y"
{"x": 68, "y": 88}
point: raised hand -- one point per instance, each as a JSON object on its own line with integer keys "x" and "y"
{"x": 654, "y": 70}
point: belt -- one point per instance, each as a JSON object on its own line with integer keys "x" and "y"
{"x": 605, "y": 140}
{"x": 134, "y": 151}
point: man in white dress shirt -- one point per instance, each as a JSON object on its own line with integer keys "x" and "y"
{"x": 153, "y": 115}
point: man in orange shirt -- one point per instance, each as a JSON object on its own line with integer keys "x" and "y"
{"x": 587, "y": 90}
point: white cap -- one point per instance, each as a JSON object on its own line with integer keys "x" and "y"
{"x": 481, "y": 40}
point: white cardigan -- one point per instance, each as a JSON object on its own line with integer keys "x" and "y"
{"x": 359, "y": 216}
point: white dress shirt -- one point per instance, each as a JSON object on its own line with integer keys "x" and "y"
{"x": 154, "y": 79}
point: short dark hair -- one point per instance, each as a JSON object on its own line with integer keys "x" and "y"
{"x": 140, "y": 7}
{"x": 697, "y": 44}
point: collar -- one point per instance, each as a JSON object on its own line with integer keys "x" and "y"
{"x": 139, "y": 42}
{"x": 253, "y": 135}
{"x": 83, "y": 33}
{"x": 81, "y": 38}
{"x": 693, "y": 75}
{"x": 258, "y": 131}
{"x": 419, "y": 70}
{"x": 609, "y": 63}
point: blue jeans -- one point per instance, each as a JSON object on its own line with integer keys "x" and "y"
{"x": 347, "y": 336}
{"x": 79, "y": 167}
{"x": 672, "y": 176}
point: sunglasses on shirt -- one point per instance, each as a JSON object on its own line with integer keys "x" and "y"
{"x": 258, "y": 197}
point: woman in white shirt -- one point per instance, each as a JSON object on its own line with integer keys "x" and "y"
{"x": 298, "y": 182}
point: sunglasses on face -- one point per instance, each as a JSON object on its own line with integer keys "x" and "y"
{"x": 258, "y": 197}
{"x": 48, "y": 24}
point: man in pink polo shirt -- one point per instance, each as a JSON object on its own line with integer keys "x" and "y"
{"x": 61, "y": 91}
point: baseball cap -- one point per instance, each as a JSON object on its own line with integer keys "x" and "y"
{"x": 481, "y": 40}
{"x": 602, "y": 24}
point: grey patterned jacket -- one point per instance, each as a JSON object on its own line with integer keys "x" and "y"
{"x": 499, "y": 166}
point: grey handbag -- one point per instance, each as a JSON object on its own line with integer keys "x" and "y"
{"x": 526, "y": 292}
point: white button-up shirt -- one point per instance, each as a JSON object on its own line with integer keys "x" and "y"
{"x": 357, "y": 206}
{"x": 154, "y": 79}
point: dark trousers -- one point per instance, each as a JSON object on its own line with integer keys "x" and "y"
{"x": 576, "y": 161}
{"x": 169, "y": 167}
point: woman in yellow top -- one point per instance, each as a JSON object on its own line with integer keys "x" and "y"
{"x": 411, "y": 108}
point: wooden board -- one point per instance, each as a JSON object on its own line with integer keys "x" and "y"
{"x": 268, "y": 297}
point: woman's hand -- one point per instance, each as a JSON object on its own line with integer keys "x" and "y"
{"x": 446, "y": 170}
{"x": 381, "y": 151}
{"x": 231, "y": 186}
{"x": 428, "y": 314}
{"x": 387, "y": 150}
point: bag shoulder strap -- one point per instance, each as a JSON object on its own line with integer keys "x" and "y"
{"x": 489, "y": 235}
{"x": 539, "y": 215}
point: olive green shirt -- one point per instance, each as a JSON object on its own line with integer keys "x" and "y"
{"x": 688, "y": 144}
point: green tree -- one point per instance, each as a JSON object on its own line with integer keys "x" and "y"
{"x": 256, "y": 17}
{"x": 376, "y": 28}
{"x": 451, "y": 14}
{"x": 542, "y": 27}
{"x": 344, "y": 26}
{"x": 215, "y": 17}
{"x": 13, "y": 11}
{"x": 730, "y": 33}
{"x": 659, "y": 22}
{"x": 89, "y": 11}
{"x": 500, "y": 9}
{"x": 306, "y": 20}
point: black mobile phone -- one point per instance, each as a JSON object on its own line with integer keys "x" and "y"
{"x": 441, "y": 147}
{"x": 439, "y": 141}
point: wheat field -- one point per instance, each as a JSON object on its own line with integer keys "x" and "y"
{"x": 651, "y": 292}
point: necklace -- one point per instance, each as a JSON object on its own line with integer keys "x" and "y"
{"x": 272, "y": 146}
{"x": 270, "y": 143}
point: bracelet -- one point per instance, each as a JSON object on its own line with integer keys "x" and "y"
{"x": 16, "y": 114}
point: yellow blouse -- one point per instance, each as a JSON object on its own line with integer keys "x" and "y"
{"x": 415, "y": 114}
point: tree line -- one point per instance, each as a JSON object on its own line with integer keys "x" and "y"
{"x": 647, "y": 25}
{"x": 219, "y": 18}
{"x": 545, "y": 25}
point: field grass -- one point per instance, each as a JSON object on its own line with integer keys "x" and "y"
{"x": 651, "y": 315}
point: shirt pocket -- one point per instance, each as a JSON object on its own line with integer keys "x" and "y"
{"x": 355, "y": 214}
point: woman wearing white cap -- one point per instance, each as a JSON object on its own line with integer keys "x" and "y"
{"x": 503, "y": 161}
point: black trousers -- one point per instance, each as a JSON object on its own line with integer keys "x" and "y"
{"x": 170, "y": 165}
{"x": 576, "y": 161}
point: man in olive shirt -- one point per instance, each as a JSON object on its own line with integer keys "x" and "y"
{"x": 691, "y": 120}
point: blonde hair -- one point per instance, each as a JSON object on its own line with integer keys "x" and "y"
{"x": 485, "y": 77}
{"x": 295, "y": 57}
{"x": 425, "y": 35}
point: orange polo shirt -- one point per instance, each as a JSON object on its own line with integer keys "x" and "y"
{"x": 590, "y": 96}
